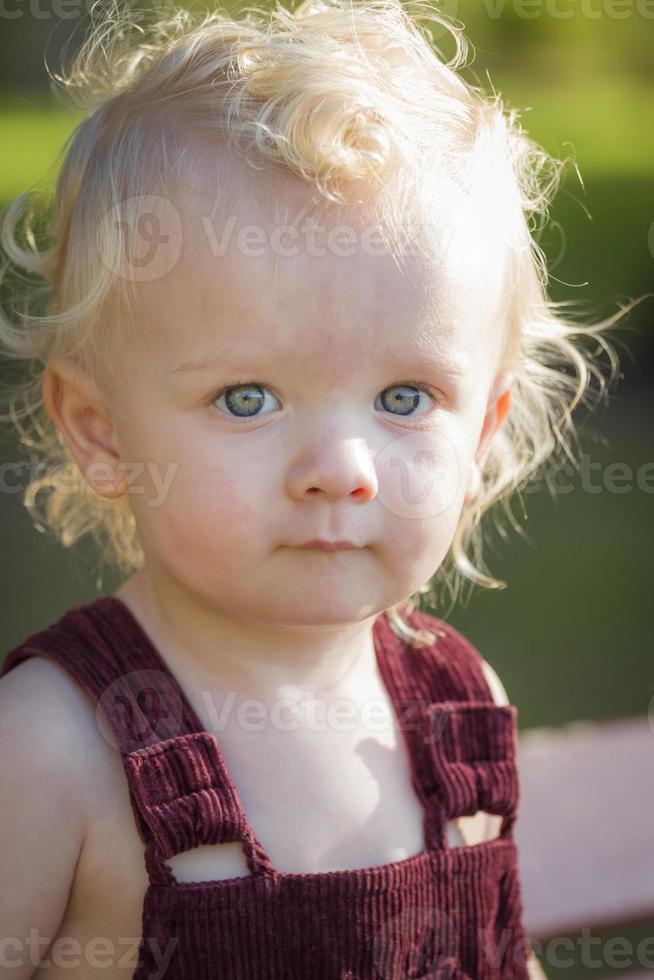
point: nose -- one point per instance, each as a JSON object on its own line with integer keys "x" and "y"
{"x": 335, "y": 468}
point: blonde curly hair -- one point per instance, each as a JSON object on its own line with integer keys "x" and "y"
{"x": 342, "y": 94}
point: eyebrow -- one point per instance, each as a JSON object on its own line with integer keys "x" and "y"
{"x": 214, "y": 360}
{"x": 456, "y": 367}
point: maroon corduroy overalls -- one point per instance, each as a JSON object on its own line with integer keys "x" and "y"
{"x": 449, "y": 912}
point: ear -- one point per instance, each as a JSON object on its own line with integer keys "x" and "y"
{"x": 499, "y": 401}
{"x": 75, "y": 404}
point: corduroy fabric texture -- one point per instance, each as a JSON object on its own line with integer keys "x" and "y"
{"x": 449, "y": 912}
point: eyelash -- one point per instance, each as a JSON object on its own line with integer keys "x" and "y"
{"x": 261, "y": 384}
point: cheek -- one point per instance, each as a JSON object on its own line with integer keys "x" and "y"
{"x": 423, "y": 544}
{"x": 210, "y": 502}
{"x": 195, "y": 506}
{"x": 421, "y": 475}
{"x": 422, "y": 482}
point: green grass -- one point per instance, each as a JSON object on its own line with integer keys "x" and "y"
{"x": 602, "y": 122}
{"x": 33, "y": 133}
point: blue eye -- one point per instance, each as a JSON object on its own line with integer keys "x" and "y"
{"x": 404, "y": 402}
{"x": 244, "y": 399}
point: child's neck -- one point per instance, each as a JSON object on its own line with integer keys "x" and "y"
{"x": 203, "y": 647}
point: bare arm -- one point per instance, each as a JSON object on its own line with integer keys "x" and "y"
{"x": 41, "y": 824}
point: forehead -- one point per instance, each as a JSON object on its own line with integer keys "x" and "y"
{"x": 262, "y": 270}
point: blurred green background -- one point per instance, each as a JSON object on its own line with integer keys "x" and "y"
{"x": 570, "y": 636}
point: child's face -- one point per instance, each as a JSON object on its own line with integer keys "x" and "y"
{"x": 326, "y": 337}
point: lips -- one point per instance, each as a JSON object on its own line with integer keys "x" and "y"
{"x": 319, "y": 545}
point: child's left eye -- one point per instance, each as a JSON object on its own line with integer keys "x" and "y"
{"x": 407, "y": 399}
{"x": 246, "y": 399}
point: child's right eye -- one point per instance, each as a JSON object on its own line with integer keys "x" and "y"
{"x": 246, "y": 397}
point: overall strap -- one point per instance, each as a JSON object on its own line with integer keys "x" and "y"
{"x": 180, "y": 789}
{"x": 464, "y": 745}
{"x": 140, "y": 703}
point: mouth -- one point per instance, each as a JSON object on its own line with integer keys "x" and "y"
{"x": 318, "y": 545}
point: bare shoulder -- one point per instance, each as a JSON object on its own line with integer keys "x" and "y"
{"x": 498, "y": 691}
{"x": 48, "y": 724}
{"x": 39, "y": 682}
{"x": 534, "y": 969}
{"x": 49, "y": 746}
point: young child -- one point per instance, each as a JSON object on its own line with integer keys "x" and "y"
{"x": 295, "y": 343}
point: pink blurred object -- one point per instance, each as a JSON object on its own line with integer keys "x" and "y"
{"x": 585, "y": 829}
